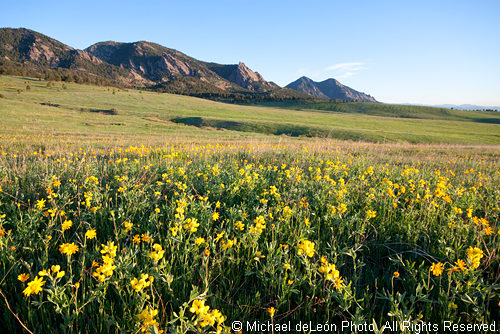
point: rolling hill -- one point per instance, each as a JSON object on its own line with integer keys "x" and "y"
{"x": 33, "y": 107}
{"x": 389, "y": 110}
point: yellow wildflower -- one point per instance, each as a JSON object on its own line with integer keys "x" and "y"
{"x": 219, "y": 236}
{"x": 128, "y": 226}
{"x": 437, "y": 268}
{"x": 66, "y": 225}
{"x": 260, "y": 225}
{"x": 215, "y": 216}
{"x": 228, "y": 244}
{"x": 23, "y": 277}
{"x": 34, "y": 287}
{"x": 271, "y": 311}
{"x": 371, "y": 214}
{"x": 90, "y": 234}
{"x": 68, "y": 249}
{"x": 40, "y": 204}
{"x": 460, "y": 264}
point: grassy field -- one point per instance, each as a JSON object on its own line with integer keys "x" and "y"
{"x": 118, "y": 217}
{"x": 392, "y": 110}
{"x": 71, "y": 109}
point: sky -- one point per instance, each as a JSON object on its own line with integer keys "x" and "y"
{"x": 424, "y": 52}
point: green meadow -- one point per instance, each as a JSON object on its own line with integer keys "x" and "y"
{"x": 31, "y": 106}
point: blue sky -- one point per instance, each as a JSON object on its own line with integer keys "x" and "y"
{"x": 428, "y": 52}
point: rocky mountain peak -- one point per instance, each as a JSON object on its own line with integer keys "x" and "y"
{"x": 103, "y": 50}
{"x": 244, "y": 76}
{"x": 329, "y": 89}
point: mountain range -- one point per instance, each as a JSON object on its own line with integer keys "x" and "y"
{"x": 329, "y": 89}
{"x": 152, "y": 66}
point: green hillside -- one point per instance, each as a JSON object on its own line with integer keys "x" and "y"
{"x": 37, "y": 107}
{"x": 391, "y": 110}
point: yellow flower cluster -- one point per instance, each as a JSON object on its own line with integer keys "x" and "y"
{"x": 205, "y": 316}
{"x": 143, "y": 282}
{"x": 260, "y": 225}
{"x": 158, "y": 253}
{"x": 92, "y": 179}
{"x": 441, "y": 188}
{"x": 228, "y": 244}
{"x": 474, "y": 255}
{"x": 331, "y": 273}
{"x": 371, "y": 214}
{"x": 239, "y": 225}
{"x": 56, "y": 269}
{"x": 273, "y": 190}
{"x": 147, "y": 317}
{"x": 306, "y": 247}
{"x": 88, "y": 199}
{"x": 287, "y": 212}
{"x": 179, "y": 211}
{"x": 108, "y": 257}
{"x": 191, "y": 225}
